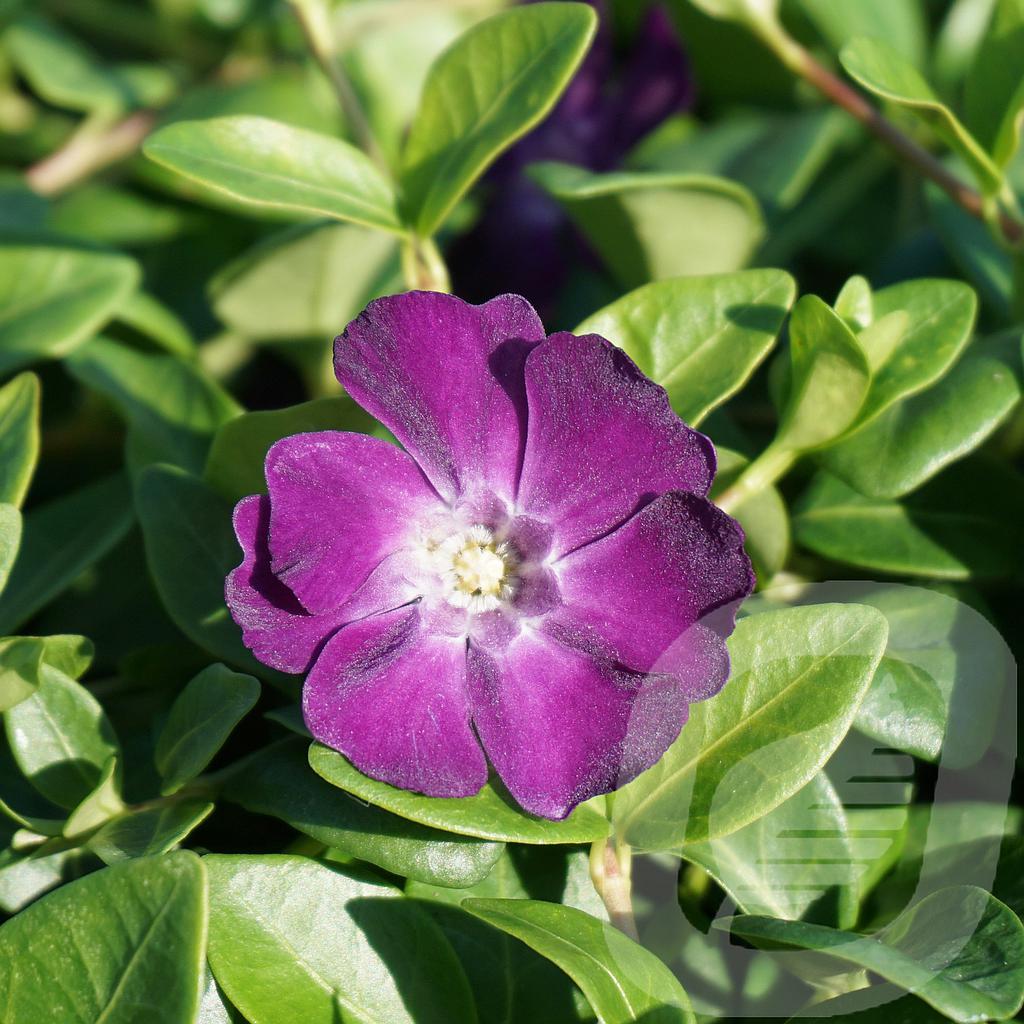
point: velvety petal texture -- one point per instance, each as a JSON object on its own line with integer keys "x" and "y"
{"x": 536, "y": 586}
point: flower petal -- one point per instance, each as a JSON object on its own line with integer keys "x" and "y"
{"x": 392, "y": 699}
{"x": 275, "y": 627}
{"x": 602, "y": 440}
{"x": 446, "y": 378}
{"x": 560, "y": 726}
{"x": 339, "y": 505}
{"x": 660, "y": 593}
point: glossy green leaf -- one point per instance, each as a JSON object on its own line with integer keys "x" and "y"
{"x": 916, "y": 437}
{"x": 22, "y": 659}
{"x": 941, "y": 316}
{"x": 280, "y": 782}
{"x": 511, "y": 982}
{"x": 172, "y": 405}
{"x": 61, "y": 539}
{"x": 62, "y": 69}
{"x": 959, "y": 949}
{"x": 306, "y": 282}
{"x": 487, "y": 815}
{"x": 190, "y": 549}
{"x": 829, "y": 379}
{"x": 53, "y": 298}
{"x": 120, "y": 946}
{"x": 699, "y": 337}
{"x": 855, "y": 303}
{"x": 485, "y": 91}
{"x": 648, "y": 226}
{"x": 234, "y": 467}
{"x": 798, "y": 676}
{"x": 275, "y": 166}
{"x": 903, "y": 26}
{"x": 10, "y": 541}
{"x": 99, "y": 806}
{"x": 622, "y": 981}
{"x": 965, "y": 523}
{"x": 151, "y": 318}
{"x": 796, "y": 862}
{"x": 883, "y": 71}
{"x": 61, "y": 739}
{"x": 149, "y": 832}
{"x": 214, "y": 1007}
{"x": 19, "y": 436}
{"x": 763, "y": 516}
{"x": 994, "y": 91}
{"x": 292, "y": 939}
{"x": 199, "y": 722}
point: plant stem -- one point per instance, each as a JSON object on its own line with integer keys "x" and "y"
{"x": 833, "y": 88}
{"x": 314, "y": 21}
{"x": 93, "y": 146}
{"x": 771, "y": 465}
{"x": 423, "y": 265}
{"x": 610, "y": 871}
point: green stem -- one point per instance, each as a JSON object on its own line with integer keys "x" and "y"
{"x": 423, "y": 265}
{"x": 834, "y": 89}
{"x": 771, "y": 465}
{"x": 610, "y": 864}
{"x": 314, "y": 20}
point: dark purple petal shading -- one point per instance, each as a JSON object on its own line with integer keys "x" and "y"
{"x": 446, "y": 378}
{"x": 392, "y": 698}
{"x": 275, "y": 627}
{"x": 602, "y": 440}
{"x": 561, "y": 727}
{"x": 339, "y": 505}
{"x": 660, "y": 593}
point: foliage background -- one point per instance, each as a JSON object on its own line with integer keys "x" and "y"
{"x": 168, "y": 288}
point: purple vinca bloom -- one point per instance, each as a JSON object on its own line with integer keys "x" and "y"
{"x": 536, "y": 582}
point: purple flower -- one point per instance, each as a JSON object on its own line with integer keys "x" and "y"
{"x": 537, "y": 581}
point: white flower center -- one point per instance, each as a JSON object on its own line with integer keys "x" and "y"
{"x": 476, "y": 571}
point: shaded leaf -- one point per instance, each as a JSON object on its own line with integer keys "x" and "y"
{"x": 149, "y": 832}
{"x": 19, "y": 436}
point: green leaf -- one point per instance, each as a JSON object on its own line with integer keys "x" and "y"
{"x": 798, "y": 676}
{"x": 698, "y": 337}
{"x": 512, "y": 983}
{"x": 10, "y": 541}
{"x": 275, "y": 166}
{"x": 61, "y": 739}
{"x": 149, "y": 832}
{"x": 172, "y": 405}
{"x": 959, "y": 949}
{"x": 62, "y": 70}
{"x": 902, "y": 25}
{"x": 994, "y": 92}
{"x": 486, "y": 90}
{"x": 306, "y": 282}
{"x": 752, "y": 13}
{"x": 102, "y": 804}
{"x": 293, "y": 940}
{"x": 855, "y": 303}
{"x": 61, "y": 539}
{"x": 622, "y": 981}
{"x": 883, "y": 71}
{"x": 648, "y": 226}
{"x": 488, "y": 814}
{"x": 155, "y": 321}
{"x": 966, "y": 523}
{"x": 279, "y": 782}
{"x": 190, "y": 549}
{"x": 22, "y": 659}
{"x": 234, "y": 467}
{"x": 795, "y": 862}
{"x": 199, "y": 722}
{"x": 121, "y": 945}
{"x": 941, "y": 319}
{"x": 829, "y": 379}
{"x": 916, "y": 437}
{"x": 763, "y": 516}
{"x": 53, "y": 298}
{"x": 19, "y": 436}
